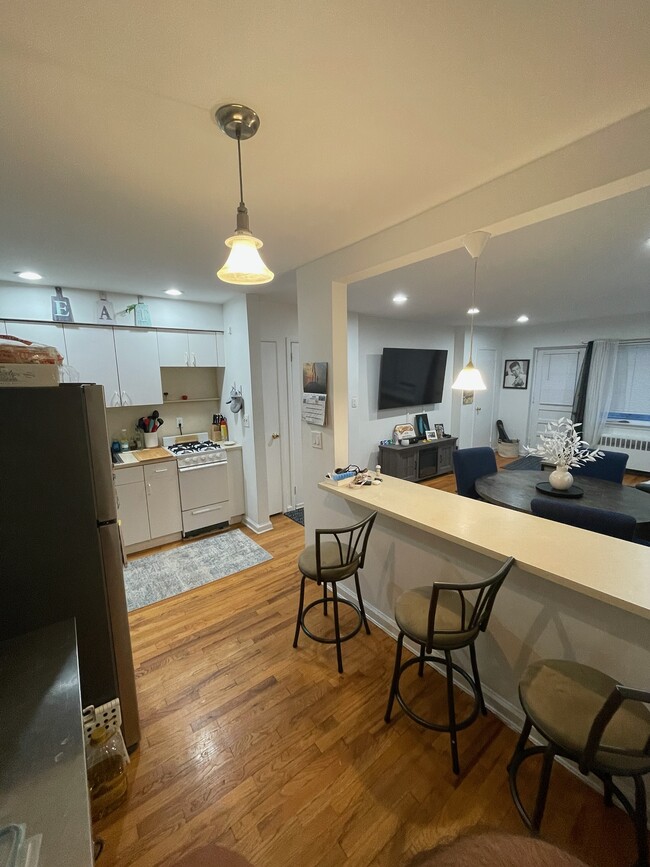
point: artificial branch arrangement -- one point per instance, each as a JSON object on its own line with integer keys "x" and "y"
{"x": 560, "y": 444}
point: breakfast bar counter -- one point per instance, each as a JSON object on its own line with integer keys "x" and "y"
{"x": 604, "y": 568}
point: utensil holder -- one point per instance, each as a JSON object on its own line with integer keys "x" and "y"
{"x": 150, "y": 440}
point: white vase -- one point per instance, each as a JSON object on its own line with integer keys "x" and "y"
{"x": 561, "y": 479}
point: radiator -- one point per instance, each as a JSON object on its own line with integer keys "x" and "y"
{"x": 637, "y": 449}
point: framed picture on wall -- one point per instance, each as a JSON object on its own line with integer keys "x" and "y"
{"x": 515, "y": 372}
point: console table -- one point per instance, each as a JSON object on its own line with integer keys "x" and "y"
{"x": 419, "y": 461}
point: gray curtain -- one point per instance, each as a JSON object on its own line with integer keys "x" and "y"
{"x": 600, "y": 388}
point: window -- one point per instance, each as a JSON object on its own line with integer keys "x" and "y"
{"x": 631, "y": 397}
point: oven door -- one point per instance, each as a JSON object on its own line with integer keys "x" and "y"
{"x": 203, "y": 485}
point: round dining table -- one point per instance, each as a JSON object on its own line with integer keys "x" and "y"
{"x": 514, "y": 489}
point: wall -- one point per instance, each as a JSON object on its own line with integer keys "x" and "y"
{"x": 488, "y": 400}
{"x": 367, "y": 337}
{"x": 521, "y": 342}
{"x": 20, "y": 301}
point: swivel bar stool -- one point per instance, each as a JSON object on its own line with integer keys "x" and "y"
{"x": 441, "y": 617}
{"x": 328, "y": 562}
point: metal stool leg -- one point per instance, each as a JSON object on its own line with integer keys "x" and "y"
{"x": 395, "y": 681}
{"x": 421, "y": 665}
{"x": 300, "y": 606}
{"x": 640, "y": 822}
{"x": 325, "y": 598}
{"x": 337, "y": 630}
{"x": 361, "y": 608}
{"x": 542, "y": 792}
{"x": 452, "y": 714}
{"x": 477, "y": 679}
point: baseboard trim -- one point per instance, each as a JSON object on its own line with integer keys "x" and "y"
{"x": 255, "y": 527}
{"x": 509, "y": 714}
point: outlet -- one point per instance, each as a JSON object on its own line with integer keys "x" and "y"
{"x": 179, "y": 421}
{"x": 355, "y": 403}
{"x": 316, "y": 440}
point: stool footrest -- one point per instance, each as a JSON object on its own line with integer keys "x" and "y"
{"x": 438, "y": 727}
{"x": 323, "y": 640}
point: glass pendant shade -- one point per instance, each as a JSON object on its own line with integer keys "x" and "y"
{"x": 244, "y": 265}
{"x": 469, "y": 379}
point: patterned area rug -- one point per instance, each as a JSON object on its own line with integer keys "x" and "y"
{"x": 159, "y": 576}
{"x": 297, "y": 515}
{"x": 529, "y": 462}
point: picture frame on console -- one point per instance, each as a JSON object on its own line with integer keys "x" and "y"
{"x": 432, "y": 436}
{"x": 440, "y": 431}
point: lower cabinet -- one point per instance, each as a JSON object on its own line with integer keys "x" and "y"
{"x": 236, "y": 484}
{"x": 148, "y": 503}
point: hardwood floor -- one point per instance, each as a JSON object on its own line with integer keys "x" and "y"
{"x": 270, "y": 752}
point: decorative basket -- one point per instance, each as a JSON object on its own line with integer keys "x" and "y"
{"x": 508, "y": 450}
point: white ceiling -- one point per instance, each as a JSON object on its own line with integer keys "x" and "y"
{"x": 114, "y": 176}
{"x": 589, "y": 263}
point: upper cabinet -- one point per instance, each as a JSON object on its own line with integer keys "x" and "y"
{"x": 189, "y": 349}
{"x": 137, "y": 366}
{"x": 40, "y": 332}
{"x": 123, "y": 360}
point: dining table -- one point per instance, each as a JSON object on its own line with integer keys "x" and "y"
{"x": 514, "y": 489}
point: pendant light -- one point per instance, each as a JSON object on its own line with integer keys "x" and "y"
{"x": 470, "y": 379}
{"x": 244, "y": 265}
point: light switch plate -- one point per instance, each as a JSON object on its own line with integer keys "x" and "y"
{"x": 316, "y": 440}
{"x": 245, "y": 421}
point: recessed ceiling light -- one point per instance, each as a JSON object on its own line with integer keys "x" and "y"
{"x": 173, "y": 292}
{"x": 522, "y": 318}
{"x": 473, "y": 311}
{"x": 28, "y": 275}
{"x": 400, "y": 298}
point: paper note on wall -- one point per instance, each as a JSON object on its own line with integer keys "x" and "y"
{"x": 313, "y": 408}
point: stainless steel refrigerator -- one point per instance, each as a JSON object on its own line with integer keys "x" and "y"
{"x": 60, "y": 554}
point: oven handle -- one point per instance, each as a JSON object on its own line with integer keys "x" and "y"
{"x": 206, "y": 509}
{"x": 201, "y": 466}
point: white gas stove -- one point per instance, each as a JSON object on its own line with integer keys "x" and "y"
{"x": 203, "y": 481}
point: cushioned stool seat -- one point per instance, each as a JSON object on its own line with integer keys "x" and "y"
{"x": 329, "y": 561}
{"x": 587, "y": 717}
{"x": 442, "y": 617}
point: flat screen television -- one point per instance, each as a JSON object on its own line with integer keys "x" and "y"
{"x": 411, "y": 377}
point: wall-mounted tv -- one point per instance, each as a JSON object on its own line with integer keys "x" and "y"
{"x": 411, "y": 377}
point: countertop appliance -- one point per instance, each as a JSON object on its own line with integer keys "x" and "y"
{"x": 203, "y": 481}
{"x": 59, "y": 541}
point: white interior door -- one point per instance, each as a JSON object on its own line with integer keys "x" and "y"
{"x": 483, "y": 433}
{"x": 555, "y": 377}
{"x": 271, "y": 399}
{"x": 295, "y": 432}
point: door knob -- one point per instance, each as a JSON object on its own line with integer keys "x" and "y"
{"x": 478, "y": 409}
{"x": 275, "y": 436}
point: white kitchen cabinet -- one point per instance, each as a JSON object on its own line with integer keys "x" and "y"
{"x": 221, "y": 354}
{"x": 163, "y": 499}
{"x": 40, "y": 332}
{"x": 91, "y": 351}
{"x": 137, "y": 366}
{"x": 132, "y": 505}
{"x": 236, "y": 483}
{"x": 188, "y": 349}
{"x": 148, "y": 503}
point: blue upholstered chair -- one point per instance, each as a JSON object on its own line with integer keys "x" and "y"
{"x": 470, "y": 465}
{"x": 598, "y": 520}
{"x": 611, "y": 468}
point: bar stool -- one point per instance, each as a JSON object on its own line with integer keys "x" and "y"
{"x": 587, "y": 717}
{"x": 328, "y": 562}
{"x": 440, "y": 617}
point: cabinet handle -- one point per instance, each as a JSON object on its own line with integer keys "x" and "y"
{"x": 206, "y": 509}
{"x": 161, "y": 471}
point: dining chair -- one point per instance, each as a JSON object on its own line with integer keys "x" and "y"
{"x": 335, "y": 556}
{"x": 608, "y": 523}
{"x": 611, "y": 468}
{"x": 445, "y": 617}
{"x": 470, "y": 465}
{"x": 588, "y": 718}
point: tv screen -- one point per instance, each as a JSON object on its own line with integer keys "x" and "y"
{"x": 411, "y": 377}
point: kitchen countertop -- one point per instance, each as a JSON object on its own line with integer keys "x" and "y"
{"x": 42, "y": 750}
{"x": 156, "y": 455}
{"x": 604, "y": 568}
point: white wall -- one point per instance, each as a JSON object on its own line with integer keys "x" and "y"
{"x": 521, "y": 342}
{"x": 19, "y": 301}
{"x": 367, "y": 337}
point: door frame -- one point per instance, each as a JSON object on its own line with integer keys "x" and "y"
{"x": 537, "y": 372}
{"x": 274, "y": 344}
{"x": 292, "y": 344}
